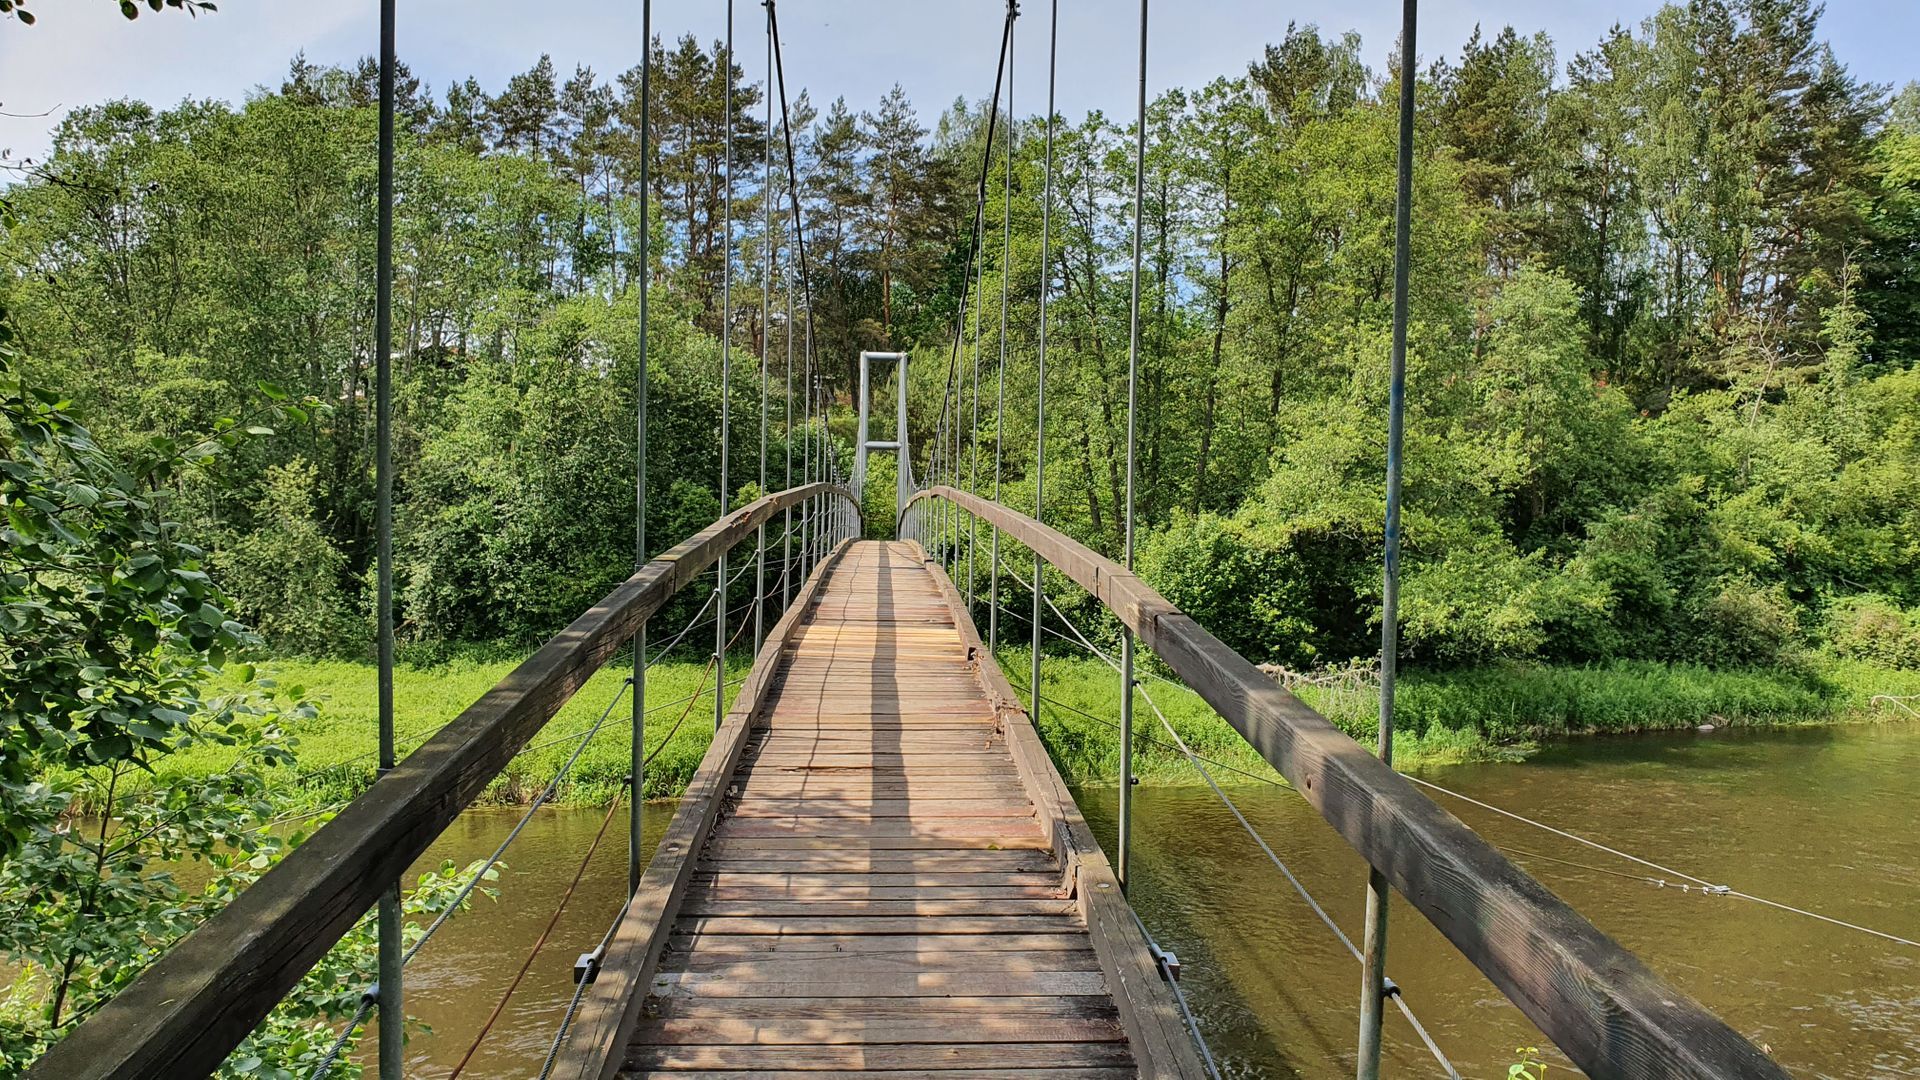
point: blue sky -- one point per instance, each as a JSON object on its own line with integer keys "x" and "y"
{"x": 82, "y": 51}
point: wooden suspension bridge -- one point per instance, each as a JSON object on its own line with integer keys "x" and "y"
{"x": 876, "y": 870}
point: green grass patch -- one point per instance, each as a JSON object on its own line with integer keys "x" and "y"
{"x": 1445, "y": 717}
{"x": 1477, "y": 714}
{"x": 336, "y": 748}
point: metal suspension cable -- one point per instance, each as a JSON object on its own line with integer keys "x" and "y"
{"x": 766, "y": 312}
{"x": 539, "y": 944}
{"x": 1391, "y": 990}
{"x": 1000, "y": 395}
{"x": 514, "y": 833}
{"x": 392, "y": 1009}
{"x": 1705, "y": 886}
{"x": 1040, "y": 377}
{"x": 808, "y": 514}
{"x": 332, "y": 1056}
{"x": 1125, "y": 816}
{"x": 637, "y": 745}
{"x": 1200, "y": 763}
{"x": 580, "y": 985}
{"x": 1167, "y": 975}
{"x": 979, "y": 210}
{"x": 1373, "y": 978}
{"x": 720, "y": 582}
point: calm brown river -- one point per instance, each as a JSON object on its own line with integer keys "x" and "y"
{"x": 1827, "y": 819}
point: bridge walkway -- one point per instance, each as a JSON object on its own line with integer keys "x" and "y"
{"x": 881, "y": 893}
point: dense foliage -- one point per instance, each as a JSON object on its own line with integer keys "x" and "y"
{"x": 1663, "y": 386}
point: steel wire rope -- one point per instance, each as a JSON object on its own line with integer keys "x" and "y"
{"x": 949, "y": 388}
{"x": 539, "y": 944}
{"x": 360, "y": 1015}
{"x": 567, "y": 896}
{"x": 1165, "y": 967}
{"x": 1705, "y": 886}
{"x": 1197, "y": 762}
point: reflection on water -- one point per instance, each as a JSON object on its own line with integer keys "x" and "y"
{"x": 1822, "y": 819}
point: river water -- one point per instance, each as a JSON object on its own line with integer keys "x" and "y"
{"x": 1825, "y": 819}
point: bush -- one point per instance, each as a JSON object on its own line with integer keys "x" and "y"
{"x": 1873, "y": 628}
{"x": 1745, "y": 623}
{"x": 284, "y": 576}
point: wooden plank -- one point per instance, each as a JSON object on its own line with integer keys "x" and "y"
{"x": 727, "y": 846}
{"x": 736, "y": 879}
{"x": 1598, "y": 1002}
{"x": 754, "y": 967}
{"x": 1022, "y": 860}
{"x": 929, "y": 1057}
{"x": 608, "y": 1012}
{"x": 842, "y": 907}
{"x": 192, "y": 1006}
{"x": 830, "y": 981}
{"x": 935, "y": 1030}
{"x": 1157, "y": 1032}
{"x": 900, "y": 924}
{"x": 957, "y": 1009}
{"x": 894, "y": 1074}
{"x": 799, "y": 945}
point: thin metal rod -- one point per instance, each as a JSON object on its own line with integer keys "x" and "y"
{"x": 973, "y": 423}
{"x": 1125, "y": 815}
{"x": 392, "y": 1015}
{"x": 1040, "y": 378}
{"x": 726, "y": 367}
{"x": 786, "y": 516}
{"x": 636, "y": 771}
{"x": 766, "y": 310}
{"x": 1373, "y": 985}
{"x": 1000, "y": 395}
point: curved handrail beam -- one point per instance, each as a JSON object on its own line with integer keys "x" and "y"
{"x": 1598, "y": 1002}
{"x": 190, "y": 1008}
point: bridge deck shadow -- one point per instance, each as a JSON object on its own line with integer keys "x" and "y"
{"x": 879, "y": 894}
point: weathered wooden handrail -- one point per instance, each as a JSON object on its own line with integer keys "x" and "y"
{"x": 190, "y": 1008}
{"x": 1604, "y": 1008}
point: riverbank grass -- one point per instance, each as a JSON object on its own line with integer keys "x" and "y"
{"x": 335, "y": 749}
{"x": 1499, "y": 713}
{"x": 1443, "y": 718}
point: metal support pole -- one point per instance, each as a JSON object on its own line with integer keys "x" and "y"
{"x": 636, "y": 776}
{"x": 973, "y": 425}
{"x": 902, "y": 478}
{"x": 726, "y": 379}
{"x": 392, "y": 1015}
{"x": 786, "y": 516}
{"x": 1040, "y": 379}
{"x": 1373, "y": 981}
{"x": 1133, "y": 401}
{"x": 766, "y": 310}
{"x": 1000, "y": 395}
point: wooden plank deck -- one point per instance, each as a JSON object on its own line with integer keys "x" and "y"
{"x": 877, "y": 872}
{"x": 880, "y": 895}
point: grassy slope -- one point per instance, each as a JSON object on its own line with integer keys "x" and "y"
{"x": 335, "y": 749}
{"x": 1451, "y": 716}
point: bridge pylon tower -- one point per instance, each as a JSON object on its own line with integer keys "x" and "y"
{"x": 903, "y": 474}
